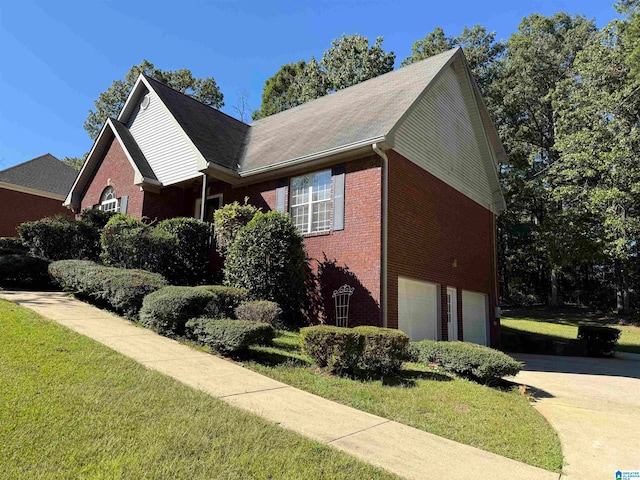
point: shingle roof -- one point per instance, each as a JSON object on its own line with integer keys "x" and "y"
{"x": 219, "y": 137}
{"x": 364, "y": 111}
{"x": 45, "y": 173}
{"x": 133, "y": 149}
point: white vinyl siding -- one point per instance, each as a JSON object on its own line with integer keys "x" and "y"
{"x": 474, "y": 317}
{"x": 163, "y": 143}
{"x": 444, "y": 135}
{"x": 418, "y": 309}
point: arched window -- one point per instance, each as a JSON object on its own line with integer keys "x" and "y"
{"x": 108, "y": 200}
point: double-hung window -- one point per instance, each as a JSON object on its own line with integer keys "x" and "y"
{"x": 108, "y": 200}
{"x": 311, "y": 202}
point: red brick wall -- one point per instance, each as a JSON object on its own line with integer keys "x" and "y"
{"x": 18, "y": 207}
{"x": 430, "y": 225}
{"x": 354, "y": 253}
{"x": 116, "y": 171}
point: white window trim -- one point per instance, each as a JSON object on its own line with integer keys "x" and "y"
{"x": 107, "y": 205}
{"x": 311, "y": 201}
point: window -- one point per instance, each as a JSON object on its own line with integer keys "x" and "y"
{"x": 311, "y": 202}
{"x": 108, "y": 200}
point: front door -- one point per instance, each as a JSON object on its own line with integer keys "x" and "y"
{"x": 452, "y": 314}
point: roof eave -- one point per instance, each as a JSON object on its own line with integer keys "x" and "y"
{"x": 31, "y": 191}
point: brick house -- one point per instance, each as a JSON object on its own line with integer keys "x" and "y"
{"x": 33, "y": 190}
{"x": 393, "y": 183}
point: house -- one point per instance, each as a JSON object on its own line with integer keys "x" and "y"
{"x": 393, "y": 183}
{"x": 33, "y": 190}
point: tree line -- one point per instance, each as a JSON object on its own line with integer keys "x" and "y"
{"x": 565, "y": 98}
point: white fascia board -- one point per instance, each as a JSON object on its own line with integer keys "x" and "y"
{"x": 138, "y": 178}
{"x": 31, "y": 191}
{"x": 127, "y": 105}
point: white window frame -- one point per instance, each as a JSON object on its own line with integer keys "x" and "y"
{"x": 310, "y": 203}
{"x": 108, "y": 200}
{"x": 198, "y": 203}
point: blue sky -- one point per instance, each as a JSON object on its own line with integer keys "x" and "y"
{"x": 57, "y": 56}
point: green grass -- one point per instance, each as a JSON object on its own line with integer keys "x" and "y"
{"x": 72, "y": 408}
{"x": 499, "y": 421}
{"x": 564, "y": 324}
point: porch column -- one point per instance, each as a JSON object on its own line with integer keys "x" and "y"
{"x": 203, "y": 196}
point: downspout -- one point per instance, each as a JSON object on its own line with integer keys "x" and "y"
{"x": 385, "y": 202}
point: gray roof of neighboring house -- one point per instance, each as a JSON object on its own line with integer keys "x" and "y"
{"x": 133, "y": 149}
{"x": 365, "y": 111}
{"x": 219, "y": 137}
{"x": 45, "y": 173}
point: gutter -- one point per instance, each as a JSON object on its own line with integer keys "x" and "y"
{"x": 385, "y": 205}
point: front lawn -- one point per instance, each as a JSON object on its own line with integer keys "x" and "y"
{"x": 72, "y": 408}
{"x": 564, "y": 324}
{"x": 499, "y": 421}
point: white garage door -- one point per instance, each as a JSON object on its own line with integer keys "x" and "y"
{"x": 474, "y": 317}
{"x": 417, "y": 309}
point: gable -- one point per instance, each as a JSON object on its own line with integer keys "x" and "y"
{"x": 444, "y": 134}
{"x": 163, "y": 143}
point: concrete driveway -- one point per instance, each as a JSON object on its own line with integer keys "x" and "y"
{"x": 594, "y": 404}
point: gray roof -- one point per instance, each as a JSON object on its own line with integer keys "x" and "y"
{"x": 134, "y": 150}
{"x": 365, "y": 111}
{"x": 45, "y": 173}
{"x": 219, "y": 137}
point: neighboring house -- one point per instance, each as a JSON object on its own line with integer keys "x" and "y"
{"x": 393, "y": 183}
{"x": 33, "y": 190}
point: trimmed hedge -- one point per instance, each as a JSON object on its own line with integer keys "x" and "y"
{"x": 23, "y": 271}
{"x": 336, "y": 348}
{"x": 61, "y": 238}
{"x": 468, "y": 360}
{"x": 384, "y": 350}
{"x": 228, "y": 336}
{"x": 96, "y": 217}
{"x": 516, "y": 341}
{"x": 600, "y": 341}
{"x": 260, "y": 311}
{"x": 121, "y": 289}
{"x": 167, "y": 310}
{"x": 12, "y": 246}
{"x": 225, "y": 300}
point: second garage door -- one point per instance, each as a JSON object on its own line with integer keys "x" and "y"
{"x": 474, "y": 317}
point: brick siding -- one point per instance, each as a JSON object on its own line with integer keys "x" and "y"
{"x": 19, "y": 207}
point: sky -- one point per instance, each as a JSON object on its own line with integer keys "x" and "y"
{"x": 56, "y": 57}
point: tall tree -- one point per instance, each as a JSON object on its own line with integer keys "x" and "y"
{"x": 281, "y": 91}
{"x": 432, "y": 44}
{"x": 111, "y": 101}
{"x": 75, "y": 162}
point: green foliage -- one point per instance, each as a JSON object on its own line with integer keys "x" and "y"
{"x": 260, "y": 311}
{"x": 225, "y": 300}
{"x": 96, "y": 217}
{"x": 167, "y": 310}
{"x": 121, "y": 289}
{"x": 600, "y": 341}
{"x": 228, "y": 336}
{"x": 111, "y": 101}
{"x": 12, "y": 245}
{"x": 468, "y": 360}
{"x": 23, "y": 271}
{"x": 384, "y": 350}
{"x": 60, "y": 238}
{"x": 228, "y": 220}
{"x": 268, "y": 259}
{"x": 335, "y": 348}
{"x": 75, "y": 162}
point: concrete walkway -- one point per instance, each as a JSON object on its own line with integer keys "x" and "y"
{"x": 399, "y": 449}
{"x": 594, "y": 404}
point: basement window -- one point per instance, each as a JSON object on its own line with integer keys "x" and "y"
{"x": 311, "y": 202}
{"x": 108, "y": 200}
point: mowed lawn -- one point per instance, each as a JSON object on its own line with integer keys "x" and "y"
{"x": 564, "y": 324}
{"x": 498, "y": 421}
{"x": 72, "y": 408}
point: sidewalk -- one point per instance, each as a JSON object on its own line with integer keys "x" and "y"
{"x": 400, "y": 449}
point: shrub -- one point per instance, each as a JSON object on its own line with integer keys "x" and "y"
{"x": 121, "y": 289}
{"x": 96, "y": 217}
{"x": 600, "y": 341}
{"x": 338, "y": 349}
{"x": 23, "y": 271}
{"x": 267, "y": 258}
{"x": 260, "y": 311}
{"x": 225, "y": 300}
{"x": 468, "y": 360}
{"x": 60, "y": 238}
{"x": 12, "y": 246}
{"x": 228, "y": 336}
{"x": 167, "y": 310}
{"x": 187, "y": 262}
{"x": 384, "y": 350}
{"x": 228, "y": 220}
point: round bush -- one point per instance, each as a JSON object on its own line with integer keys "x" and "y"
{"x": 225, "y": 300}
{"x": 23, "y": 271}
{"x": 227, "y": 336}
{"x": 167, "y": 310}
{"x": 260, "y": 311}
{"x": 60, "y": 238}
{"x": 384, "y": 350}
{"x": 336, "y": 348}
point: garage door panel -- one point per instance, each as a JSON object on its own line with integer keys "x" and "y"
{"x": 474, "y": 317}
{"x": 417, "y": 309}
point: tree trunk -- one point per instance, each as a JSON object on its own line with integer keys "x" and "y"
{"x": 555, "y": 281}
